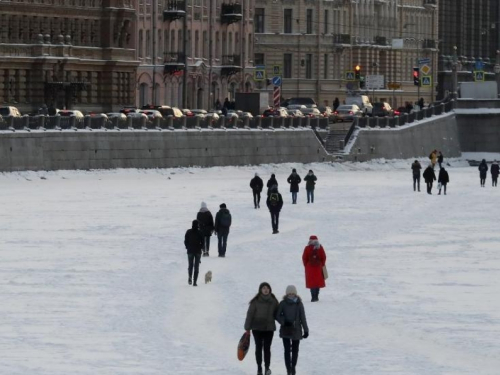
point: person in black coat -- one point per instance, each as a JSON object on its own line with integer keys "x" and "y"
{"x": 274, "y": 203}
{"x": 294, "y": 180}
{"x": 483, "y": 171}
{"x": 223, "y": 221}
{"x": 206, "y": 222}
{"x": 270, "y": 183}
{"x": 310, "y": 180}
{"x": 494, "y": 173}
{"x": 429, "y": 178}
{"x": 193, "y": 240}
{"x": 415, "y": 168}
{"x": 443, "y": 179}
{"x": 257, "y": 185}
{"x": 440, "y": 159}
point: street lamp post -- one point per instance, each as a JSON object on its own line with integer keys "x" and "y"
{"x": 417, "y": 42}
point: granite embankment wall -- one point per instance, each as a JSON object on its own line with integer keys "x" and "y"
{"x": 54, "y": 150}
{"x": 408, "y": 141}
{"x": 479, "y": 131}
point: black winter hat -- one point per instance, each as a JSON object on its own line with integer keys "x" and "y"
{"x": 265, "y": 284}
{"x": 223, "y": 205}
{"x": 294, "y": 170}
{"x": 195, "y": 224}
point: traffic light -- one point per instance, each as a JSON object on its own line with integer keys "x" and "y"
{"x": 357, "y": 71}
{"x": 416, "y": 76}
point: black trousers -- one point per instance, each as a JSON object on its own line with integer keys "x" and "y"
{"x": 256, "y": 198}
{"x": 194, "y": 263}
{"x": 275, "y": 218}
{"x": 495, "y": 180}
{"x": 206, "y": 244}
{"x": 263, "y": 341}
{"x": 416, "y": 183}
{"x": 222, "y": 238}
{"x": 429, "y": 187}
{"x": 291, "y": 348}
{"x": 444, "y": 187}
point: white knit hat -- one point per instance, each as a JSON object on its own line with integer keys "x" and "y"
{"x": 291, "y": 289}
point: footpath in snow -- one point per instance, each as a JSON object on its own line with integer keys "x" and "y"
{"x": 93, "y": 272}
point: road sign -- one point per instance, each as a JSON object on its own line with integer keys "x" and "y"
{"x": 479, "y": 76}
{"x": 425, "y": 69}
{"x": 394, "y": 86}
{"x": 374, "y": 82}
{"x": 259, "y": 75}
{"x": 350, "y": 76}
{"x": 426, "y": 81}
{"x": 277, "y": 70}
{"x": 424, "y": 60}
{"x": 276, "y": 96}
{"x": 277, "y": 80}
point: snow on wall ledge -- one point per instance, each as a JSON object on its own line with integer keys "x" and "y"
{"x": 146, "y": 149}
{"x": 409, "y": 141}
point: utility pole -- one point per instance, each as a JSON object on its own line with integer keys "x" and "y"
{"x": 211, "y": 95}
{"x": 154, "y": 21}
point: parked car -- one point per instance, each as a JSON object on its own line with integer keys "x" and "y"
{"x": 120, "y": 116}
{"x": 127, "y": 110}
{"x": 308, "y": 102}
{"x": 151, "y": 113}
{"x": 296, "y": 106}
{"x": 187, "y": 112}
{"x": 214, "y": 116}
{"x": 199, "y": 113}
{"x": 382, "y": 109}
{"x": 312, "y": 112}
{"x": 275, "y": 112}
{"x": 362, "y": 101}
{"x": 327, "y": 112}
{"x": 246, "y": 115}
{"x": 70, "y": 112}
{"x": 347, "y": 112}
{"x": 137, "y": 115}
{"x": 295, "y": 113}
{"x": 9, "y": 111}
{"x": 233, "y": 114}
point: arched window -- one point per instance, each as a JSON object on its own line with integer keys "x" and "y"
{"x": 143, "y": 94}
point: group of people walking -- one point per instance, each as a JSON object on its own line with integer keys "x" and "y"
{"x": 274, "y": 201}
{"x": 197, "y": 239}
{"x": 483, "y": 172}
{"x": 264, "y": 310}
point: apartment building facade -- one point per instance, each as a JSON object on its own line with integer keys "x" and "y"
{"x": 193, "y": 52}
{"x": 317, "y": 44}
{"x": 67, "y": 53}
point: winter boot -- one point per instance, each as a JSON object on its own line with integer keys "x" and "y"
{"x": 195, "y": 279}
{"x": 268, "y": 371}
{"x": 190, "y": 281}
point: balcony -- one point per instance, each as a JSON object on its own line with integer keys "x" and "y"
{"x": 341, "y": 39}
{"x": 231, "y": 64}
{"x": 176, "y": 9}
{"x": 430, "y": 3}
{"x": 174, "y": 62}
{"x": 231, "y": 13}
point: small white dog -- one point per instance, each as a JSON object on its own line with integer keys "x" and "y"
{"x": 208, "y": 277}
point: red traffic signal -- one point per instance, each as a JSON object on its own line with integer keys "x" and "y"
{"x": 357, "y": 72}
{"x": 416, "y": 76}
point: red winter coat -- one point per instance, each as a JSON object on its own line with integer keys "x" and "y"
{"x": 314, "y": 260}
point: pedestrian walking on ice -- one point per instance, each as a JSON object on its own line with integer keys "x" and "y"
{"x": 429, "y": 178}
{"x": 223, "y": 221}
{"x": 310, "y": 180}
{"x": 415, "y": 168}
{"x": 260, "y": 320}
{"x": 483, "y": 171}
{"x": 193, "y": 240}
{"x": 294, "y": 180}
{"x": 443, "y": 179}
{"x": 440, "y": 159}
{"x": 494, "y": 173}
{"x": 257, "y": 185}
{"x": 314, "y": 259}
{"x": 292, "y": 318}
{"x": 274, "y": 203}
{"x": 206, "y": 223}
{"x": 433, "y": 157}
{"x": 271, "y": 182}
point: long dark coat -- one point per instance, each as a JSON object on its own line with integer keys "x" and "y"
{"x": 310, "y": 180}
{"x": 483, "y": 169}
{"x": 416, "y": 167}
{"x": 257, "y": 184}
{"x": 292, "y": 312}
{"x": 494, "y": 170}
{"x": 294, "y": 180}
{"x": 261, "y": 313}
{"x": 193, "y": 240}
{"x": 429, "y": 175}
{"x": 443, "y": 177}
{"x": 206, "y": 222}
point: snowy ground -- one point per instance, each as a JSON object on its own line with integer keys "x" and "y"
{"x": 93, "y": 273}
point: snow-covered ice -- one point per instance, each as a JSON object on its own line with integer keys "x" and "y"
{"x": 93, "y": 275}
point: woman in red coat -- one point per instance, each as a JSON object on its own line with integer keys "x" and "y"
{"x": 314, "y": 258}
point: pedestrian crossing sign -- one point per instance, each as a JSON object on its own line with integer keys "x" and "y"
{"x": 350, "y": 76}
{"x": 426, "y": 81}
{"x": 479, "y": 75}
{"x": 259, "y": 75}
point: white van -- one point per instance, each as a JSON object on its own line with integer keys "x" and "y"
{"x": 362, "y": 101}
{"x": 9, "y": 111}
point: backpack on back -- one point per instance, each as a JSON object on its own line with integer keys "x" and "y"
{"x": 274, "y": 200}
{"x": 225, "y": 219}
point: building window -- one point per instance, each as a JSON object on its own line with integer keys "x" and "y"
{"x": 309, "y": 21}
{"x": 325, "y": 67}
{"x": 287, "y": 65}
{"x": 148, "y": 43}
{"x": 141, "y": 44}
{"x": 326, "y": 22}
{"x": 308, "y": 66}
{"x": 287, "y": 24}
{"x": 259, "y": 59}
{"x": 259, "y": 20}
